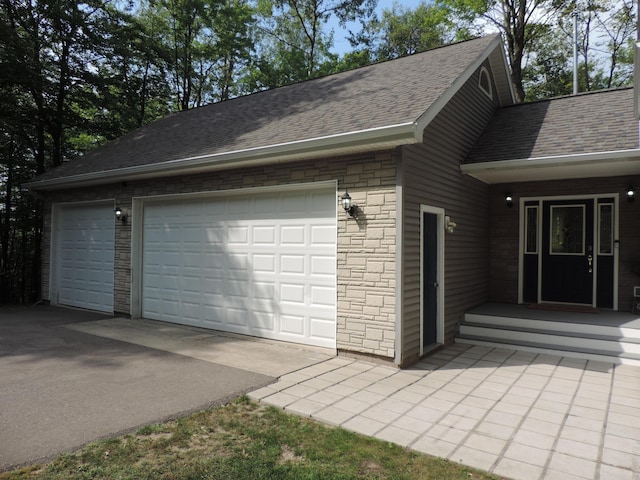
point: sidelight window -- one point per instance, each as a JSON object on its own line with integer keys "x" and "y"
{"x": 605, "y": 229}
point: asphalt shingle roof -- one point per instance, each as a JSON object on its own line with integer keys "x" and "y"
{"x": 601, "y": 121}
{"x": 381, "y": 95}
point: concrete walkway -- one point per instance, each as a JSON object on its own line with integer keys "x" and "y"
{"x": 517, "y": 414}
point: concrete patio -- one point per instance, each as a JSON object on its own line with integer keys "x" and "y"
{"x": 517, "y": 414}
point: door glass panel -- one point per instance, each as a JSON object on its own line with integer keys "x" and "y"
{"x": 531, "y": 234}
{"x": 567, "y": 230}
{"x": 605, "y": 229}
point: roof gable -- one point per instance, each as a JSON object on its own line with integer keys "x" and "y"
{"x": 380, "y": 103}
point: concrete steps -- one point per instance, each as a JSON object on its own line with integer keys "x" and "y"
{"x": 584, "y": 336}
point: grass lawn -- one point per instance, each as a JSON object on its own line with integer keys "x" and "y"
{"x": 244, "y": 440}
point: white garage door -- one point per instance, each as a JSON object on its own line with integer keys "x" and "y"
{"x": 261, "y": 265}
{"x": 85, "y": 257}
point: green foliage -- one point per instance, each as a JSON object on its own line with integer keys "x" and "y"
{"x": 403, "y": 31}
{"x": 293, "y": 41}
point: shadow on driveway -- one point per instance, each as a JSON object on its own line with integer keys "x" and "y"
{"x": 61, "y": 388}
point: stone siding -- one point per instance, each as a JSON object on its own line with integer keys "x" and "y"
{"x": 366, "y": 244}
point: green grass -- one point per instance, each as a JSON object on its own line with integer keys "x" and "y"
{"x": 244, "y": 440}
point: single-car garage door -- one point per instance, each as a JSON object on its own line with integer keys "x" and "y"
{"x": 259, "y": 264}
{"x": 84, "y": 260}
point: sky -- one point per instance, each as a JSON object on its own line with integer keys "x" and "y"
{"x": 341, "y": 44}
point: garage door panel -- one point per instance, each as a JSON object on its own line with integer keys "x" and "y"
{"x": 323, "y": 235}
{"x": 252, "y": 261}
{"x": 264, "y": 263}
{"x": 292, "y": 264}
{"x": 322, "y": 327}
{"x": 323, "y": 296}
{"x": 212, "y": 316}
{"x": 293, "y": 324}
{"x": 238, "y": 235}
{"x": 292, "y": 293}
{"x": 214, "y": 235}
{"x": 85, "y": 259}
{"x": 237, "y": 316}
{"x": 323, "y": 265}
{"x": 292, "y": 235}
{"x": 264, "y": 235}
{"x": 263, "y": 320}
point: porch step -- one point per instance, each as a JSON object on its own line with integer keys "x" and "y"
{"x": 585, "y": 339}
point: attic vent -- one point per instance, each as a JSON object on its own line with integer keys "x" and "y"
{"x": 484, "y": 82}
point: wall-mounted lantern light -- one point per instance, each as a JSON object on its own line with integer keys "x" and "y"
{"x": 120, "y": 215}
{"x": 349, "y": 208}
{"x": 631, "y": 194}
{"x": 508, "y": 200}
{"x": 449, "y": 225}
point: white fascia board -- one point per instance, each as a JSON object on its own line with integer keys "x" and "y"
{"x": 370, "y": 139}
{"x": 505, "y": 72}
{"x": 584, "y": 165}
{"x": 435, "y": 108}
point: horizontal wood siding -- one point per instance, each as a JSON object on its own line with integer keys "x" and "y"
{"x": 431, "y": 176}
{"x": 504, "y": 223}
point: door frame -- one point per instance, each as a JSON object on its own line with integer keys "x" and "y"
{"x": 440, "y": 212}
{"x": 521, "y": 240}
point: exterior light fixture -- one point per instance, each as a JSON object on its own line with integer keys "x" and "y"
{"x": 508, "y": 200}
{"x": 349, "y": 208}
{"x": 631, "y": 194}
{"x": 449, "y": 225}
{"x": 120, "y": 215}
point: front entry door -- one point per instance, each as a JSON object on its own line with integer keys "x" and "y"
{"x": 430, "y": 278}
{"x": 568, "y": 251}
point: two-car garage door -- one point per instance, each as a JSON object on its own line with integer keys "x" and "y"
{"x": 257, "y": 264}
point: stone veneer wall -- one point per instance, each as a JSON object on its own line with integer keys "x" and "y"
{"x": 366, "y": 246}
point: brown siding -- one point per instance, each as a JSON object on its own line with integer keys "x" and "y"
{"x": 504, "y": 222}
{"x": 431, "y": 176}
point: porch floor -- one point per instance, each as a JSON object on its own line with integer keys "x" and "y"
{"x": 603, "y": 335}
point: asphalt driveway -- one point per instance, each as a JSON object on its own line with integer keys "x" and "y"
{"x": 62, "y": 387}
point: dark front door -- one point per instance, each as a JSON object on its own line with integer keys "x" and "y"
{"x": 568, "y": 251}
{"x": 430, "y": 278}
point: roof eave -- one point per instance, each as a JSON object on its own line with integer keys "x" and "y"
{"x": 585, "y": 165}
{"x": 374, "y": 139}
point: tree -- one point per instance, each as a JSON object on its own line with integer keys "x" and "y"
{"x": 548, "y": 71}
{"x": 203, "y": 45}
{"x": 403, "y": 31}
{"x": 605, "y": 50}
{"x": 50, "y": 54}
{"x": 613, "y": 24}
{"x": 520, "y": 22}
{"x": 292, "y": 31}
